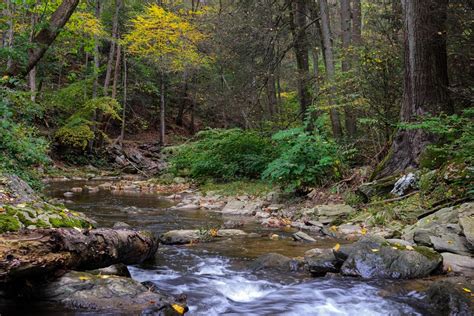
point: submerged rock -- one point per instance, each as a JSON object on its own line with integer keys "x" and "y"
{"x": 106, "y": 293}
{"x": 186, "y": 236}
{"x": 451, "y": 297}
{"x": 301, "y": 236}
{"x": 373, "y": 257}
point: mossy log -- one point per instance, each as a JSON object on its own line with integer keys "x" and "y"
{"x": 47, "y": 252}
{"x": 378, "y": 188}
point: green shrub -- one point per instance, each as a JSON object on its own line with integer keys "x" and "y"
{"x": 224, "y": 155}
{"x": 306, "y": 159}
{"x": 20, "y": 148}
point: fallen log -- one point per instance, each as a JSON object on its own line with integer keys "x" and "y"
{"x": 44, "y": 252}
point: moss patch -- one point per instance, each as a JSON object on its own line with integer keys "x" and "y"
{"x": 8, "y": 223}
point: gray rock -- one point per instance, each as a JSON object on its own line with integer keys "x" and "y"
{"x": 68, "y": 194}
{"x": 333, "y": 210}
{"x": 275, "y": 262}
{"x": 321, "y": 261}
{"x": 238, "y": 207}
{"x": 121, "y": 225}
{"x": 111, "y": 294}
{"x": 301, "y": 236}
{"x": 373, "y": 257}
{"x": 399, "y": 242}
{"x": 458, "y": 264}
{"x": 179, "y": 237}
{"x": 451, "y": 243}
{"x": 467, "y": 224}
{"x": 448, "y": 298}
{"x": 116, "y": 269}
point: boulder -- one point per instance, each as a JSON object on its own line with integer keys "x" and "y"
{"x": 118, "y": 269}
{"x": 467, "y": 225}
{"x": 321, "y": 261}
{"x": 238, "y": 207}
{"x": 451, "y": 243}
{"x": 373, "y": 257}
{"x": 275, "y": 262}
{"x": 301, "y": 236}
{"x": 186, "y": 236}
{"x": 449, "y": 297}
{"x": 334, "y": 210}
{"x": 108, "y": 294}
{"x": 458, "y": 264}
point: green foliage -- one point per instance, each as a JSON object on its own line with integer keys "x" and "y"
{"x": 20, "y": 148}
{"x": 224, "y": 155}
{"x": 77, "y": 132}
{"x": 455, "y": 135}
{"x": 306, "y": 159}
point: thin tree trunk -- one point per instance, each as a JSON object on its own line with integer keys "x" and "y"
{"x": 349, "y": 115}
{"x": 162, "y": 110}
{"x": 32, "y": 73}
{"x": 95, "y": 86}
{"x": 10, "y": 31}
{"x": 124, "y": 110}
{"x": 183, "y": 101}
{"x": 116, "y": 72}
{"x": 113, "y": 44}
{"x": 329, "y": 61}
{"x": 426, "y": 81}
{"x": 357, "y": 23}
{"x": 298, "y": 21}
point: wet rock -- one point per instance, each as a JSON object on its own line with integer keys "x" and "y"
{"x": 106, "y": 293}
{"x": 116, "y": 269}
{"x": 105, "y": 186}
{"x": 76, "y": 190}
{"x": 458, "y": 264}
{"x": 121, "y": 225}
{"x": 177, "y": 237}
{"x": 301, "y": 236}
{"x": 68, "y": 194}
{"x": 91, "y": 189}
{"x": 321, "y": 261}
{"x": 312, "y": 226}
{"x": 273, "y": 261}
{"x": 239, "y": 207}
{"x": 373, "y": 257}
{"x": 185, "y": 207}
{"x": 232, "y": 224}
{"x": 448, "y": 298}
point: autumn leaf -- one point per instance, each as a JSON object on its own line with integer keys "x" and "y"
{"x": 465, "y": 289}
{"x": 375, "y": 250}
{"x": 178, "y": 308}
{"x": 409, "y": 248}
{"x": 84, "y": 278}
{"x": 363, "y": 231}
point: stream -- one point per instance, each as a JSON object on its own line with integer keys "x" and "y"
{"x": 215, "y": 276}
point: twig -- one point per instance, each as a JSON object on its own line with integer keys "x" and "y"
{"x": 393, "y": 199}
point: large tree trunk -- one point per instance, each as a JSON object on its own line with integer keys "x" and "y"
{"x": 298, "y": 21}
{"x": 329, "y": 62}
{"x": 426, "y": 80}
{"x": 350, "y": 118}
{"x": 39, "y": 253}
{"x": 357, "y": 23}
{"x": 44, "y": 38}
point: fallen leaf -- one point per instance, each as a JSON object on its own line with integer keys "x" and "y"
{"x": 84, "y": 278}
{"x": 337, "y": 247}
{"x": 363, "y": 231}
{"x": 22, "y": 205}
{"x": 409, "y": 248}
{"x": 375, "y": 250}
{"x": 333, "y": 228}
{"x": 465, "y": 289}
{"x": 179, "y": 309}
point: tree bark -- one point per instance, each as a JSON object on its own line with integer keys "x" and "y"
{"x": 39, "y": 253}
{"x": 425, "y": 83}
{"x": 329, "y": 62}
{"x": 44, "y": 38}
{"x": 162, "y": 110}
{"x": 349, "y": 115}
{"x": 357, "y": 23}
{"x": 9, "y": 34}
{"x": 124, "y": 110}
{"x": 298, "y": 21}
{"x": 116, "y": 71}
{"x": 113, "y": 45}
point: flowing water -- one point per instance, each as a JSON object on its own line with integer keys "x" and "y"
{"x": 215, "y": 276}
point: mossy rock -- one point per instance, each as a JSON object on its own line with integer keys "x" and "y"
{"x": 9, "y": 223}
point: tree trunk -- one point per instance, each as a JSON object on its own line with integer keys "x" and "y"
{"x": 357, "y": 23}
{"x": 113, "y": 45}
{"x": 425, "y": 83}
{"x": 44, "y": 38}
{"x": 162, "y": 110}
{"x": 329, "y": 62}
{"x": 350, "y": 119}
{"x": 39, "y": 253}
{"x": 124, "y": 110}
{"x": 183, "y": 101}
{"x": 32, "y": 73}
{"x": 116, "y": 71}
{"x": 298, "y": 21}
{"x": 95, "y": 86}
{"x": 9, "y": 34}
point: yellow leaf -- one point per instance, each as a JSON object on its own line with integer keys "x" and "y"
{"x": 363, "y": 231}
{"x": 465, "y": 289}
{"x": 337, "y": 247}
{"x": 333, "y": 228}
{"x": 22, "y": 205}
{"x": 178, "y": 308}
{"x": 409, "y": 247}
{"x": 213, "y": 232}
{"x": 375, "y": 250}
{"x": 84, "y": 278}
{"x": 449, "y": 269}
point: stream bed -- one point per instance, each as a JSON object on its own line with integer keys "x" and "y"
{"x": 215, "y": 276}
